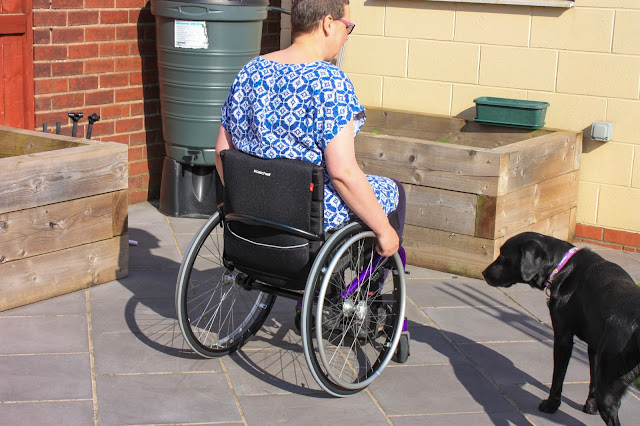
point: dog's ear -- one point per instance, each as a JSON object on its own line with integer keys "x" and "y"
{"x": 533, "y": 260}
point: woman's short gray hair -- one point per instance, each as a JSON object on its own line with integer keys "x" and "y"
{"x": 305, "y": 14}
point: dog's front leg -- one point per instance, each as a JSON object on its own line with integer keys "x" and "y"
{"x": 590, "y": 407}
{"x": 562, "y": 347}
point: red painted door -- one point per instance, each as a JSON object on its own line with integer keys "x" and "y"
{"x": 16, "y": 64}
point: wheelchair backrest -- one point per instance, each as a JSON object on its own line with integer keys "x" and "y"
{"x": 274, "y": 210}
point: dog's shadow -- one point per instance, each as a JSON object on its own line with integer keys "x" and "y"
{"x": 525, "y": 395}
{"x": 530, "y": 327}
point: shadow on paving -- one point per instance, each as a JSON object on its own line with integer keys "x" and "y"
{"x": 517, "y": 392}
{"x": 275, "y": 358}
{"x": 158, "y": 329}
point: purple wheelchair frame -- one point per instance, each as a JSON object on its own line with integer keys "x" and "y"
{"x": 364, "y": 275}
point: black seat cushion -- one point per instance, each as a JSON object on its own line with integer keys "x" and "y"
{"x": 289, "y": 192}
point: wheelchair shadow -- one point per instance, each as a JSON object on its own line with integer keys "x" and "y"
{"x": 150, "y": 311}
{"x": 273, "y": 361}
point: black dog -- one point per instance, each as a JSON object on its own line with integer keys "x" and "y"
{"x": 591, "y": 298}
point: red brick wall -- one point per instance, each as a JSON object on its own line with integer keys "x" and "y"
{"x": 619, "y": 240}
{"x": 99, "y": 56}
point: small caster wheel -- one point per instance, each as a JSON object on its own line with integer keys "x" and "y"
{"x": 402, "y": 351}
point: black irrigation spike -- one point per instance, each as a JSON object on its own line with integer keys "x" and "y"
{"x": 92, "y": 119}
{"x": 58, "y": 127}
{"x": 75, "y": 116}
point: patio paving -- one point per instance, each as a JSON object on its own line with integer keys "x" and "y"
{"x": 114, "y": 355}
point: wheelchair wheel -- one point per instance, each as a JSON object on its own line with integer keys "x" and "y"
{"x": 217, "y": 314}
{"x": 352, "y": 313}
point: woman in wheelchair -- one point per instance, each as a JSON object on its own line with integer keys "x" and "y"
{"x": 300, "y": 219}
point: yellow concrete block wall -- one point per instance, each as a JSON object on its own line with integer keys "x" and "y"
{"x": 416, "y": 95}
{"x": 437, "y": 57}
{"x": 489, "y": 24}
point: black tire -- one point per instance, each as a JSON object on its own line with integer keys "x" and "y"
{"x": 217, "y": 315}
{"x": 403, "y": 351}
{"x": 349, "y": 337}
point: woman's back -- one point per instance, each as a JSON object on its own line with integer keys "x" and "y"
{"x": 277, "y": 110}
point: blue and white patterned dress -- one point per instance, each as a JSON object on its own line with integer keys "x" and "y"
{"x": 279, "y": 110}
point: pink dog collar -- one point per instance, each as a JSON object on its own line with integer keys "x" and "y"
{"x": 568, "y": 255}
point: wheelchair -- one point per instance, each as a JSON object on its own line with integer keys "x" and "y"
{"x": 268, "y": 241}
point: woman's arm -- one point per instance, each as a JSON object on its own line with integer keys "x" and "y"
{"x": 223, "y": 142}
{"x": 355, "y": 190}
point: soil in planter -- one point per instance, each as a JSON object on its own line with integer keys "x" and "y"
{"x": 445, "y": 130}
{"x": 18, "y": 144}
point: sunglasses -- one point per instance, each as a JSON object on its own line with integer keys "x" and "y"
{"x": 350, "y": 25}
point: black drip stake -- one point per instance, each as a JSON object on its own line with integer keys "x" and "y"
{"x": 92, "y": 119}
{"x": 75, "y": 116}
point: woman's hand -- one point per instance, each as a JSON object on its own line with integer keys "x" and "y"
{"x": 388, "y": 242}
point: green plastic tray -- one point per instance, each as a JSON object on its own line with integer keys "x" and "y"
{"x": 510, "y": 112}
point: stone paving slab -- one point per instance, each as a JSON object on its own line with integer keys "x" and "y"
{"x": 462, "y": 419}
{"x": 43, "y": 334}
{"x": 114, "y": 354}
{"x": 140, "y": 284}
{"x": 68, "y": 304}
{"x": 68, "y": 413}
{"x": 125, "y": 353}
{"x": 527, "y": 398}
{"x": 165, "y": 398}
{"x": 271, "y": 371}
{"x": 45, "y": 377}
{"x": 304, "y": 409}
{"x": 454, "y": 292}
{"x": 433, "y": 389}
{"x": 533, "y": 301}
{"x": 523, "y": 362}
{"x": 488, "y": 324}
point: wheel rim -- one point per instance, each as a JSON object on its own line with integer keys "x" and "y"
{"x": 357, "y": 328}
{"x": 217, "y": 314}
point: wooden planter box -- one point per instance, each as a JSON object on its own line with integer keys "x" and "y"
{"x": 471, "y": 186}
{"x": 63, "y": 215}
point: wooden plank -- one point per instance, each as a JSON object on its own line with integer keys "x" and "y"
{"x": 120, "y": 209}
{"x": 486, "y": 208}
{"x": 61, "y": 175}
{"x": 449, "y": 252}
{"x": 573, "y": 216}
{"x": 541, "y": 159}
{"x": 12, "y": 6}
{"x": 13, "y": 81}
{"x": 537, "y": 202}
{"x": 49, "y": 275}
{"x": 13, "y": 24}
{"x": 578, "y": 157}
{"x": 440, "y": 209}
{"x": 2, "y": 95}
{"x": 558, "y": 226}
{"x": 41, "y": 230}
{"x": 466, "y": 255}
{"x": 417, "y": 162}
